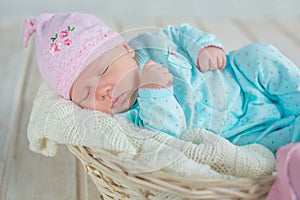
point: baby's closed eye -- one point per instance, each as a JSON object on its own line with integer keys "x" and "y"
{"x": 86, "y": 96}
{"x": 104, "y": 71}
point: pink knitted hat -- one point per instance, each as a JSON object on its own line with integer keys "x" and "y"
{"x": 66, "y": 44}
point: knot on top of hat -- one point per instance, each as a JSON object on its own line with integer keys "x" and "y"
{"x": 31, "y": 25}
{"x": 29, "y": 29}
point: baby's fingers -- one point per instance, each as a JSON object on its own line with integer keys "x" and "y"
{"x": 213, "y": 63}
{"x": 221, "y": 61}
{"x": 204, "y": 64}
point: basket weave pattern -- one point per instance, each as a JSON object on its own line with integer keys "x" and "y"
{"x": 114, "y": 182}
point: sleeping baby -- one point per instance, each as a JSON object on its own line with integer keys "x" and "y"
{"x": 171, "y": 81}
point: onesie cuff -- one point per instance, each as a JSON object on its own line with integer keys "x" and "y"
{"x": 156, "y": 92}
{"x": 195, "y": 51}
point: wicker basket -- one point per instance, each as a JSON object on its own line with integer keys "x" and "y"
{"x": 115, "y": 182}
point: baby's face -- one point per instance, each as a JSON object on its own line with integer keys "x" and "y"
{"x": 109, "y": 84}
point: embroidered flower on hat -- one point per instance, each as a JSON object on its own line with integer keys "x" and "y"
{"x": 67, "y": 42}
{"x": 56, "y": 45}
{"x": 64, "y": 34}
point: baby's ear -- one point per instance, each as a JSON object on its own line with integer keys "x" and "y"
{"x": 129, "y": 49}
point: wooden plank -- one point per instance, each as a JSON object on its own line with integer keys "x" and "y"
{"x": 29, "y": 175}
{"x": 262, "y": 30}
{"x": 227, "y": 32}
{"x": 133, "y": 28}
{"x": 178, "y": 21}
{"x": 230, "y": 35}
{"x": 10, "y": 70}
{"x": 289, "y": 26}
{"x": 142, "y": 8}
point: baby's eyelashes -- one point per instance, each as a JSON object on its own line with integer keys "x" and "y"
{"x": 105, "y": 70}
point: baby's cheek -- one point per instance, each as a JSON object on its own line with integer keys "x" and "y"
{"x": 87, "y": 105}
{"x": 100, "y": 106}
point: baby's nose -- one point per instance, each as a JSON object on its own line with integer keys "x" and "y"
{"x": 103, "y": 92}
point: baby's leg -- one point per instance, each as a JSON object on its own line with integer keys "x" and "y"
{"x": 274, "y": 75}
{"x": 276, "y": 135}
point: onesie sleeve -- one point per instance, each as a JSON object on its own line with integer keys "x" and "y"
{"x": 160, "y": 111}
{"x": 192, "y": 40}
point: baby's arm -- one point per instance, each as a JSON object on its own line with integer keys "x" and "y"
{"x": 203, "y": 48}
{"x": 159, "y": 110}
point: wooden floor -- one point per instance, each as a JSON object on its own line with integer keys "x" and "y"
{"x": 25, "y": 175}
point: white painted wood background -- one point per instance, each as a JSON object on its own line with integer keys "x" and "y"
{"x": 136, "y": 9}
{"x": 25, "y": 175}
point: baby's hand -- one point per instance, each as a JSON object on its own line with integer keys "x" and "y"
{"x": 155, "y": 76}
{"x": 211, "y": 58}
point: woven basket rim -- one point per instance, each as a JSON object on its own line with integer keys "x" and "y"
{"x": 191, "y": 187}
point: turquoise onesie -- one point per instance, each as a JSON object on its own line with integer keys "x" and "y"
{"x": 255, "y": 99}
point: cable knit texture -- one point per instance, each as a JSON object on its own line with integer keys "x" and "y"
{"x": 55, "y": 121}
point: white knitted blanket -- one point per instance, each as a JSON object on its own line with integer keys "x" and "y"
{"x": 55, "y": 121}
